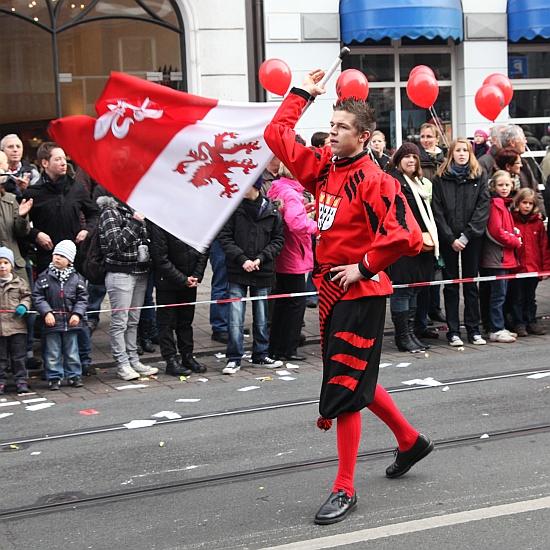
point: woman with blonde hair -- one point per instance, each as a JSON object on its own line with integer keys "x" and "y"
{"x": 431, "y": 155}
{"x": 377, "y": 149}
{"x": 461, "y": 209}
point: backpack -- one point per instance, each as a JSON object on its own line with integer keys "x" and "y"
{"x": 93, "y": 264}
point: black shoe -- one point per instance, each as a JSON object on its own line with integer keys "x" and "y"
{"x": 405, "y": 460}
{"x": 219, "y": 337}
{"x": 302, "y": 340}
{"x": 22, "y": 387}
{"x": 147, "y": 345}
{"x": 189, "y": 362}
{"x": 293, "y": 357}
{"x": 428, "y": 333}
{"x": 75, "y": 382}
{"x": 32, "y": 363}
{"x": 175, "y": 368}
{"x": 54, "y": 385}
{"x": 437, "y": 316}
{"x": 335, "y": 508}
{"x": 403, "y": 339}
{"x": 139, "y": 349}
{"x": 88, "y": 370}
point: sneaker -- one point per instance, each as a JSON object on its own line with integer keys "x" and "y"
{"x": 477, "y": 340}
{"x": 75, "y": 382}
{"x": 267, "y": 363}
{"x": 22, "y": 387}
{"x": 231, "y": 368}
{"x": 501, "y": 336}
{"x": 126, "y": 372}
{"x": 536, "y": 329}
{"x": 55, "y": 384}
{"x": 513, "y": 334}
{"x": 144, "y": 370}
{"x": 455, "y": 341}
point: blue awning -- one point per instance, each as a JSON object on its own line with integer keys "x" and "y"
{"x": 528, "y": 19}
{"x": 378, "y": 19}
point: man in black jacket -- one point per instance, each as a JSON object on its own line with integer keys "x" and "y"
{"x": 62, "y": 208}
{"x": 251, "y": 239}
{"x": 179, "y": 269}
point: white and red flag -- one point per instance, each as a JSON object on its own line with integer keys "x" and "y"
{"x": 182, "y": 160}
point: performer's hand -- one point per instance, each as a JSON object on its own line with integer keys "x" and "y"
{"x": 346, "y": 275}
{"x": 311, "y": 82}
{"x": 457, "y": 246}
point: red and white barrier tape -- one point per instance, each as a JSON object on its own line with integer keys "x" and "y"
{"x": 444, "y": 282}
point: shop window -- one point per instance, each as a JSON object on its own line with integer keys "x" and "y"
{"x": 382, "y": 100}
{"x": 440, "y": 63}
{"x": 377, "y": 68}
{"x": 528, "y": 64}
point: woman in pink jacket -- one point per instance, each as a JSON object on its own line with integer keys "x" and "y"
{"x": 291, "y": 266}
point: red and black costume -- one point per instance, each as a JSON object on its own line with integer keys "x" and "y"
{"x": 363, "y": 218}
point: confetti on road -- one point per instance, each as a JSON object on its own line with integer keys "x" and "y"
{"x": 422, "y": 382}
{"x": 282, "y": 372}
{"x": 484, "y": 436}
{"x": 132, "y": 387}
{"x": 171, "y": 415}
{"x": 445, "y": 388}
{"x": 219, "y": 355}
{"x": 287, "y": 378}
{"x": 265, "y": 378}
{"x": 183, "y": 378}
{"x": 39, "y": 406}
{"x": 539, "y": 375}
{"x": 161, "y": 443}
{"x": 249, "y": 388}
{"x": 88, "y": 412}
{"x": 402, "y": 365}
{"x": 132, "y": 425}
{"x": 35, "y": 400}
{"x": 292, "y": 366}
{"x": 36, "y": 453}
{"x": 5, "y": 415}
{"x": 187, "y": 400}
{"x": 202, "y": 379}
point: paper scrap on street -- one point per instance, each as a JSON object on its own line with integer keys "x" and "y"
{"x": 282, "y": 372}
{"x": 132, "y": 387}
{"x": 35, "y": 400}
{"x": 402, "y": 365}
{"x": 39, "y": 406}
{"x": 292, "y": 366}
{"x": 265, "y": 378}
{"x": 445, "y": 388}
{"x": 422, "y": 382}
{"x": 287, "y": 378}
{"x": 384, "y": 365}
{"x": 539, "y": 375}
{"x": 202, "y": 379}
{"x": 36, "y": 453}
{"x": 484, "y": 436}
{"x": 132, "y": 425}
{"x": 88, "y": 412}
{"x": 5, "y": 415}
{"x": 219, "y": 355}
{"x": 171, "y": 415}
{"x": 187, "y": 400}
{"x": 249, "y": 388}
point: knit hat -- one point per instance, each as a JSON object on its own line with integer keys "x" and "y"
{"x": 480, "y": 132}
{"x": 67, "y": 249}
{"x": 407, "y": 148}
{"x": 7, "y": 254}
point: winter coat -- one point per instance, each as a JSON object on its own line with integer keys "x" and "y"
{"x": 430, "y": 162}
{"x": 460, "y": 205}
{"x": 57, "y": 211}
{"x": 501, "y": 239}
{"x": 12, "y": 294}
{"x": 173, "y": 260}
{"x": 534, "y": 254}
{"x": 297, "y": 254}
{"x": 13, "y": 228}
{"x": 120, "y": 235}
{"x": 48, "y": 296}
{"x": 487, "y": 161}
{"x": 411, "y": 269}
{"x": 244, "y": 238}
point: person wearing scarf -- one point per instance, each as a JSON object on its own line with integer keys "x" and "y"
{"x": 405, "y": 168}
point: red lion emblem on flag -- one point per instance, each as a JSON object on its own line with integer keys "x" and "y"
{"x": 217, "y": 167}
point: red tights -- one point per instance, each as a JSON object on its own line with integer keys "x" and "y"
{"x": 348, "y": 436}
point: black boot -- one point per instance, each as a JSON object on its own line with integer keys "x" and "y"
{"x": 145, "y": 336}
{"x": 188, "y": 361}
{"x": 414, "y": 338}
{"x": 403, "y": 339}
{"x": 175, "y": 368}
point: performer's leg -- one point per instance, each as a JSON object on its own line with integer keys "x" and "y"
{"x": 384, "y": 407}
{"x": 348, "y": 437}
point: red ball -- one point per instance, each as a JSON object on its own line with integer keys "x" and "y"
{"x": 352, "y": 83}
{"x": 422, "y": 89}
{"x": 275, "y": 76}
{"x": 503, "y": 82}
{"x": 489, "y": 101}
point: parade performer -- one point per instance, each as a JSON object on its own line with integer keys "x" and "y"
{"x": 365, "y": 225}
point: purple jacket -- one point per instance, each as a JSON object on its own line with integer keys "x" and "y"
{"x": 297, "y": 254}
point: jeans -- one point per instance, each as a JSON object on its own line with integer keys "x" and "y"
{"x": 13, "y": 349}
{"x": 125, "y": 290}
{"x": 96, "y": 293}
{"x": 403, "y": 299}
{"x": 260, "y": 332}
{"x": 470, "y": 268}
{"x": 32, "y": 317}
{"x": 149, "y": 314}
{"x": 497, "y": 297}
{"x": 524, "y": 302}
{"x": 61, "y": 356}
{"x": 219, "y": 290}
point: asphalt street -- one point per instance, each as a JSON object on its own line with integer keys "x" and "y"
{"x": 227, "y": 468}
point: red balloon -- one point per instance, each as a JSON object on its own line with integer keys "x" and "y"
{"x": 275, "y": 76}
{"x": 503, "y": 82}
{"x": 352, "y": 83}
{"x": 421, "y": 69}
{"x": 489, "y": 101}
{"x": 422, "y": 89}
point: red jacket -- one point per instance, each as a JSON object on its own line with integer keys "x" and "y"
{"x": 534, "y": 254}
{"x": 362, "y": 215}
